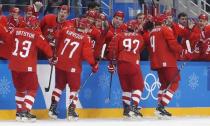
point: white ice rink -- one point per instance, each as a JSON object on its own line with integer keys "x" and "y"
{"x": 176, "y": 121}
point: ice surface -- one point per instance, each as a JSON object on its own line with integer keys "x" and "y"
{"x": 175, "y": 121}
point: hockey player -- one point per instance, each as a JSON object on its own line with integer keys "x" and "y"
{"x": 102, "y": 24}
{"x": 125, "y": 48}
{"x": 163, "y": 48}
{"x": 33, "y": 10}
{"x": 73, "y": 46}
{"x": 117, "y": 25}
{"x": 52, "y": 23}
{"x": 181, "y": 32}
{"x": 198, "y": 36}
{"x": 141, "y": 20}
{"x": 94, "y": 33}
{"x": 3, "y": 46}
{"x": 14, "y": 19}
{"x": 25, "y": 42}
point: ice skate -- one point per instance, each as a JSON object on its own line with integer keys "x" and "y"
{"x": 52, "y": 111}
{"x": 161, "y": 113}
{"x": 27, "y": 116}
{"x": 72, "y": 115}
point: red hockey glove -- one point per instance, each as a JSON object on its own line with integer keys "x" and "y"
{"x": 53, "y": 60}
{"x": 186, "y": 55}
{"x": 95, "y": 68}
{"x": 111, "y": 68}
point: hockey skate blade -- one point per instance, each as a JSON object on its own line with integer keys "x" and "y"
{"x": 18, "y": 119}
{"x": 132, "y": 116}
{"x": 24, "y": 119}
{"x": 126, "y": 118}
{"x": 50, "y": 114}
{"x": 71, "y": 118}
{"x": 161, "y": 117}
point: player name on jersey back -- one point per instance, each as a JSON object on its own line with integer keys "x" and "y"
{"x": 25, "y": 34}
{"x": 156, "y": 29}
{"x": 75, "y": 35}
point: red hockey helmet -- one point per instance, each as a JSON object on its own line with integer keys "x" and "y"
{"x": 160, "y": 19}
{"x": 102, "y": 16}
{"x": 91, "y": 13}
{"x": 168, "y": 13}
{"x": 14, "y": 10}
{"x": 29, "y": 8}
{"x": 132, "y": 24}
{"x": 149, "y": 17}
{"x": 203, "y": 16}
{"x": 64, "y": 7}
{"x": 84, "y": 23}
{"x": 119, "y": 14}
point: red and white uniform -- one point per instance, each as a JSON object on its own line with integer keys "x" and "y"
{"x": 4, "y": 48}
{"x": 163, "y": 48}
{"x": 15, "y": 23}
{"x": 73, "y": 47}
{"x": 196, "y": 38}
{"x": 181, "y": 32}
{"x": 126, "y": 48}
{"x": 25, "y": 44}
{"x": 22, "y": 63}
{"x": 49, "y": 26}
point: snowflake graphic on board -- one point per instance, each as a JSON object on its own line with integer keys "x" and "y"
{"x": 193, "y": 81}
{"x": 104, "y": 81}
{"x": 88, "y": 93}
{"x": 4, "y": 86}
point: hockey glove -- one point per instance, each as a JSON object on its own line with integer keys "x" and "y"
{"x": 186, "y": 55}
{"x": 53, "y": 60}
{"x": 111, "y": 68}
{"x": 37, "y": 6}
{"x": 95, "y": 68}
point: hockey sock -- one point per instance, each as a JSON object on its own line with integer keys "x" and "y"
{"x": 126, "y": 98}
{"x": 29, "y": 100}
{"x": 56, "y": 95}
{"x": 167, "y": 96}
{"x": 73, "y": 98}
{"x": 136, "y": 95}
{"x": 19, "y": 98}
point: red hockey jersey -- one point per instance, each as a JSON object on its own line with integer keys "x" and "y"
{"x": 73, "y": 47}
{"x": 163, "y": 48}
{"x": 25, "y": 43}
{"x": 126, "y": 47}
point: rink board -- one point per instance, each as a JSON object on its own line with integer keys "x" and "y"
{"x": 192, "y": 98}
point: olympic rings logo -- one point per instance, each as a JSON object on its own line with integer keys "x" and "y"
{"x": 150, "y": 88}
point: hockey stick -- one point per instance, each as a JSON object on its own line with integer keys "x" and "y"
{"x": 51, "y": 70}
{"x": 112, "y": 62}
{"x": 182, "y": 66}
{"x": 82, "y": 86}
{"x": 110, "y": 87}
{"x": 49, "y": 84}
